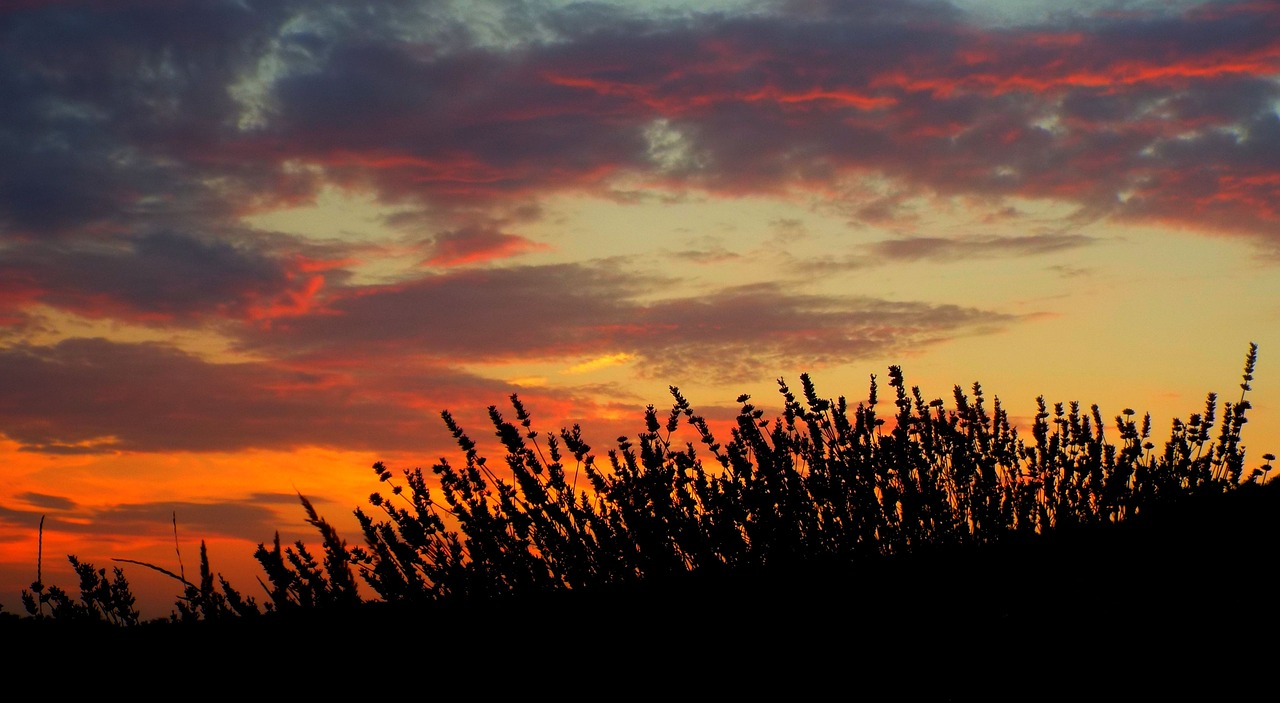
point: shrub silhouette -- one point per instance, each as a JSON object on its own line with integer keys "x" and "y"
{"x": 822, "y": 483}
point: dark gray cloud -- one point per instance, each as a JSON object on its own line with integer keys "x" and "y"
{"x": 114, "y": 110}
{"x": 165, "y": 276}
{"x": 91, "y": 395}
{"x": 571, "y": 310}
{"x": 954, "y": 249}
{"x": 749, "y": 332}
{"x": 255, "y": 518}
{"x": 48, "y": 502}
{"x": 473, "y": 314}
{"x": 942, "y": 250}
{"x": 238, "y": 519}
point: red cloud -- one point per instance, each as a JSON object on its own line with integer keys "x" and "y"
{"x": 476, "y": 245}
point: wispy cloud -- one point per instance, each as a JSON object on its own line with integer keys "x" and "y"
{"x": 960, "y": 248}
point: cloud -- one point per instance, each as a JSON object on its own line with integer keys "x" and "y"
{"x": 93, "y": 396}
{"x": 248, "y": 520}
{"x": 746, "y": 332}
{"x": 148, "y": 119}
{"x": 112, "y": 111}
{"x": 477, "y": 245}
{"x": 564, "y": 311}
{"x": 953, "y": 249}
{"x": 767, "y": 103}
{"x": 41, "y": 500}
{"x": 252, "y": 519}
{"x": 942, "y": 250}
{"x": 162, "y": 276}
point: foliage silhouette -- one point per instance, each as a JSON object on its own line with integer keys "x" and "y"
{"x": 822, "y": 486}
{"x": 821, "y": 482}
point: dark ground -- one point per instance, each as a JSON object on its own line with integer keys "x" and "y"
{"x": 1179, "y": 605}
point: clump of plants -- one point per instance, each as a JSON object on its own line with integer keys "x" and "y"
{"x": 821, "y": 481}
{"x": 101, "y": 599}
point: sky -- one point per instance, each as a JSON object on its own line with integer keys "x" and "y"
{"x": 249, "y": 248}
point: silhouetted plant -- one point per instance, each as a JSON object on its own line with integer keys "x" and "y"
{"x": 202, "y": 601}
{"x": 823, "y": 481}
{"x": 298, "y": 580}
{"x": 101, "y": 599}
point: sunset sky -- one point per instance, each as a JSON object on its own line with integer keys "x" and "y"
{"x": 250, "y": 247}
